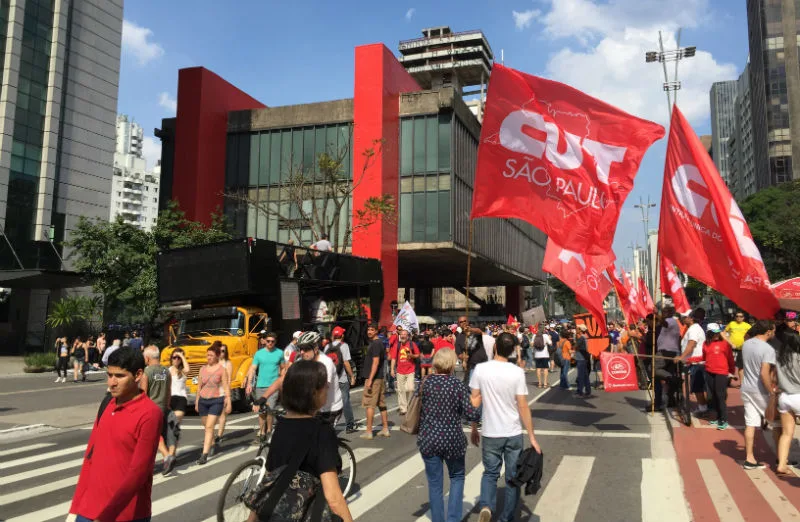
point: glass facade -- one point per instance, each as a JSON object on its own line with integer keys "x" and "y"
{"x": 26, "y": 155}
{"x": 260, "y": 164}
{"x": 424, "y": 208}
{"x": 4, "y": 8}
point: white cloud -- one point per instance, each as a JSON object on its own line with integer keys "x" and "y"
{"x": 410, "y": 13}
{"x": 151, "y": 150}
{"x": 606, "y": 44}
{"x": 136, "y": 40}
{"x": 523, "y": 19}
{"x": 168, "y": 102}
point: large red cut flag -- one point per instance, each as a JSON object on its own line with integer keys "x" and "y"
{"x": 634, "y": 299}
{"x": 584, "y": 274}
{"x": 671, "y": 286}
{"x": 702, "y": 230}
{"x": 623, "y": 293}
{"x": 647, "y": 301}
{"x": 557, "y": 158}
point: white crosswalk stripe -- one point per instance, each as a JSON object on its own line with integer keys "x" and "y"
{"x": 42, "y": 456}
{"x": 24, "y": 449}
{"x": 560, "y": 500}
{"x": 662, "y": 492}
{"x": 720, "y": 495}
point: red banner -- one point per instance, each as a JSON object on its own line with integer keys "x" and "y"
{"x": 702, "y": 230}
{"x": 671, "y": 286}
{"x": 619, "y": 372}
{"x": 646, "y": 300}
{"x": 623, "y": 294}
{"x": 584, "y": 274}
{"x": 557, "y": 158}
{"x": 634, "y": 299}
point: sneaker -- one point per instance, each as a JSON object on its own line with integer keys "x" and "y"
{"x": 58, "y": 379}
{"x": 169, "y": 465}
{"x": 714, "y": 422}
{"x": 700, "y": 410}
{"x": 203, "y": 459}
{"x": 750, "y": 466}
{"x": 350, "y": 429}
{"x": 367, "y": 435}
{"x": 486, "y": 515}
{"x": 722, "y": 425}
{"x": 384, "y": 433}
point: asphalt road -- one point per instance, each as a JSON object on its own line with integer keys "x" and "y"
{"x": 604, "y": 460}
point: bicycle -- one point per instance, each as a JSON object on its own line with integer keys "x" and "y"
{"x": 243, "y": 479}
{"x": 683, "y": 405}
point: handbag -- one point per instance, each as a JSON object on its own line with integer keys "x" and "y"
{"x": 287, "y": 494}
{"x": 410, "y": 423}
{"x": 772, "y": 408}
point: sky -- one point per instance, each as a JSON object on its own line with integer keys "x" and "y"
{"x": 285, "y": 53}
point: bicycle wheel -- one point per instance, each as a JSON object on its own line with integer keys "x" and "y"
{"x": 685, "y": 406}
{"x": 347, "y": 468}
{"x": 230, "y": 507}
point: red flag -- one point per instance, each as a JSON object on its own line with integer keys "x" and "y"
{"x": 634, "y": 301}
{"x": 671, "y": 286}
{"x": 558, "y": 159}
{"x": 623, "y": 294}
{"x": 702, "y": 229}
{"x": 584, "y": 274}
{"x": 647, "y": 301}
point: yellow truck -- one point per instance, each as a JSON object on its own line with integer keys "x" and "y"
{"x": 231, "y": 291}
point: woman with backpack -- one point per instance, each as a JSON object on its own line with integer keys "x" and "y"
{"x": 541, "y": 354}
{"x": 301, "y": 436}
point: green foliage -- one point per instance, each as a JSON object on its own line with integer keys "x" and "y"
{"x": 120, "y": 259}
{"x": 70, "y": 310}
{"x": 40, "y": 360}
{"x": 773, "y": 215}
{"x": 563, "y": 295}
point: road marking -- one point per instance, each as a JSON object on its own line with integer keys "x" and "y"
{"x": 773, "y": 495}
{"x": 52, "y": 468}
{"x": 720, "y": 495}
{"x": 472, "y": 493}
{"x": 361, "y": 454}
{"x": 61, "y": 509}
{"x": 42, "y": 456}
{"x": 562, "y": 496}
{"x": 59, "y": 388}
{"x": 23, "y": 449}
{"x": 662, "y": 492}
{"x": 376, "y": 491}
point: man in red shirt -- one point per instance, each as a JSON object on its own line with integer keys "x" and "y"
{"x": 402, "y": 357}
{"x": 116, "y": 478}
{"x": 720, "y": 367}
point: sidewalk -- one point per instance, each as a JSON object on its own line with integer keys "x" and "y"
{"x": 11, "y": 365}
{"x": 716, "y": 485}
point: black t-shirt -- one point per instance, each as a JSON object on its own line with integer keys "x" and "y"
{"x": 289, "y": 259}
{"x": 375, "y": 349}
{"x": 461, "y": 343}
{"x": 290, "y": 434}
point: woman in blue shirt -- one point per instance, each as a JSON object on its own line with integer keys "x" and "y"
{"x": 441, "y": 440}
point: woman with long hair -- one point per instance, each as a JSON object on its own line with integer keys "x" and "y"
{"x": 177, "y": 402}
{"x": 62, "y": 359}
{"x": 78, "y": 353}
{"x": 225, "y": 361}
{"x": 213, "y": 396}
{"x": 303, "y": 393}
{"x": 788, "y": 369}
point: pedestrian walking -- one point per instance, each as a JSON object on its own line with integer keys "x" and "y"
{"x": 541, "y": 356}
{"x": 116, "y": 344}
{"x": 136, "y": 341}
{"x": 78, "y": 354}
{"x": 178, "y": 402}
{"x": 223, "y": 417}
{"x": 502, "y": 391}
{"x": 473, "y": 342}
{"x": 101, "y": 345}
{"x": 213, "y": 396}
{"x": 788, "y": 372}
{"x": 116, "y": 477}
{"x": 403, "y": 356}
{"x": 564, "y": 351}
{"x": 720, "y": 367}
{"x": 62, "y": 359}
{"x": 373, "y": 395}
{"x": 341, "y": 351}
{"x": 304, "y": 393}
{"x": 759, "y": 361}
{"x": 268, "y": 363}
{"x": 581, "y": 356}
{"x": 157, "y": 384}
{"x": 445, "y": 403}
{"x": 692, "y": 352}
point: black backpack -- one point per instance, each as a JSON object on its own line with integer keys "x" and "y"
{"x": 335, "y": 354}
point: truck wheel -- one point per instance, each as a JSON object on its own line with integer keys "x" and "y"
{"x": 239, "y": 401}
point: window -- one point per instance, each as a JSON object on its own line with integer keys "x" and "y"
{"x": 425, "y": 144}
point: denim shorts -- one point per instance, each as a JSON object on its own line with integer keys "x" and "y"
{"x": 210, "y": 406}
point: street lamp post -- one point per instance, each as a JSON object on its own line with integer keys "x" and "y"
{"x": 663, "y": 57}
{"x": 645, "y": 208}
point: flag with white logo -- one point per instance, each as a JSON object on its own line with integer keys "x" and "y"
{"x": 702, "y": 230}
{"x": 558, "y": 159}
{"x": 623, "y": 294}
{"x": 647, "y": 301}
{"x": 584, "y": 274}
{"x": 671, "y": 286}
{"x": 407, "y": 318}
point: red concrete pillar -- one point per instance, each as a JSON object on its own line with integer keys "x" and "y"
{"x": 379, "y": 80}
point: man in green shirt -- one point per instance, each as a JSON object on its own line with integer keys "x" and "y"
{"x": 157, "y": 384}
{"x": 269, "y": 363}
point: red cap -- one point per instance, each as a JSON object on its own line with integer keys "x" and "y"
{"x": 338, "y": 331}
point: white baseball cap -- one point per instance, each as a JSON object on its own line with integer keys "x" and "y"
{"x": 687, "y": 313}
{"x": 297, "y": 334}
{"x": 714, "y": 328}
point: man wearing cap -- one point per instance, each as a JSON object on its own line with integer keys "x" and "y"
{"x": 692, "y": 351}
{"x": 291, "y": 348}
{"x": 582, "y": 359}
{"x": 346, "y": 377}
{"x": 268, "y": 362}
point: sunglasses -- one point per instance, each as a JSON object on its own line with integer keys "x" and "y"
{"x": 175, "y": 357}
{"x": 271, "y": 341}
{"x": 223, "y": 351}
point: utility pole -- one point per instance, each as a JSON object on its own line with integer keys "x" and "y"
{"x": 662, "y": 56}
{"x": 645, "y": 208}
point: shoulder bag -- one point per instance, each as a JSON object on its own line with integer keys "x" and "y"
{"x": 410, "y": 423}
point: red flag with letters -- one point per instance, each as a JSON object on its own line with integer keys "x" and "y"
{"x": 702, "y": 230}
{"x": 584, "y": 274}
{"x": 623, "y": 294}
{"x": 634, "y": 299}
{"x": 647, "y": 301}
{"x": 671, "y": 286}
{"x": 557, "y": 158}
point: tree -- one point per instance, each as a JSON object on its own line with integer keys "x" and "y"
{"x": 313, "y": 197}
{"x": 120, "y": 259}
{"x": 772, "y": 215}
{"x": 563, "y": 295}
{"x": 70, "y": 315}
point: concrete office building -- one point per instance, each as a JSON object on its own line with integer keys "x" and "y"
{"x": 742, "y": 177}
{"x": 723, "y": 124}
{"x": 60, "y": 72}
{"x": 775, "y": 90}
{"x": 427, "y": 164}
{"x": 134, "y": 190}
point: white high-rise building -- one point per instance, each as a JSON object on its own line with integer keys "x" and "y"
{"x": 134, "y": 189}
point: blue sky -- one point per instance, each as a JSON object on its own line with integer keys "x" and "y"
{"x": 294, "y": 52}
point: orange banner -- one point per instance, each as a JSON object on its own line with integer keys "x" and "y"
{"x": 596, "y": 342}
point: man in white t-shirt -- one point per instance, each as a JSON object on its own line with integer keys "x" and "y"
{"x": 692, "y": 351}
{"x": 291, "y": 348}
{"x": 323, "y": 245}
{"x": 333, "y": 404}
{"x": 501, "y": 388}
